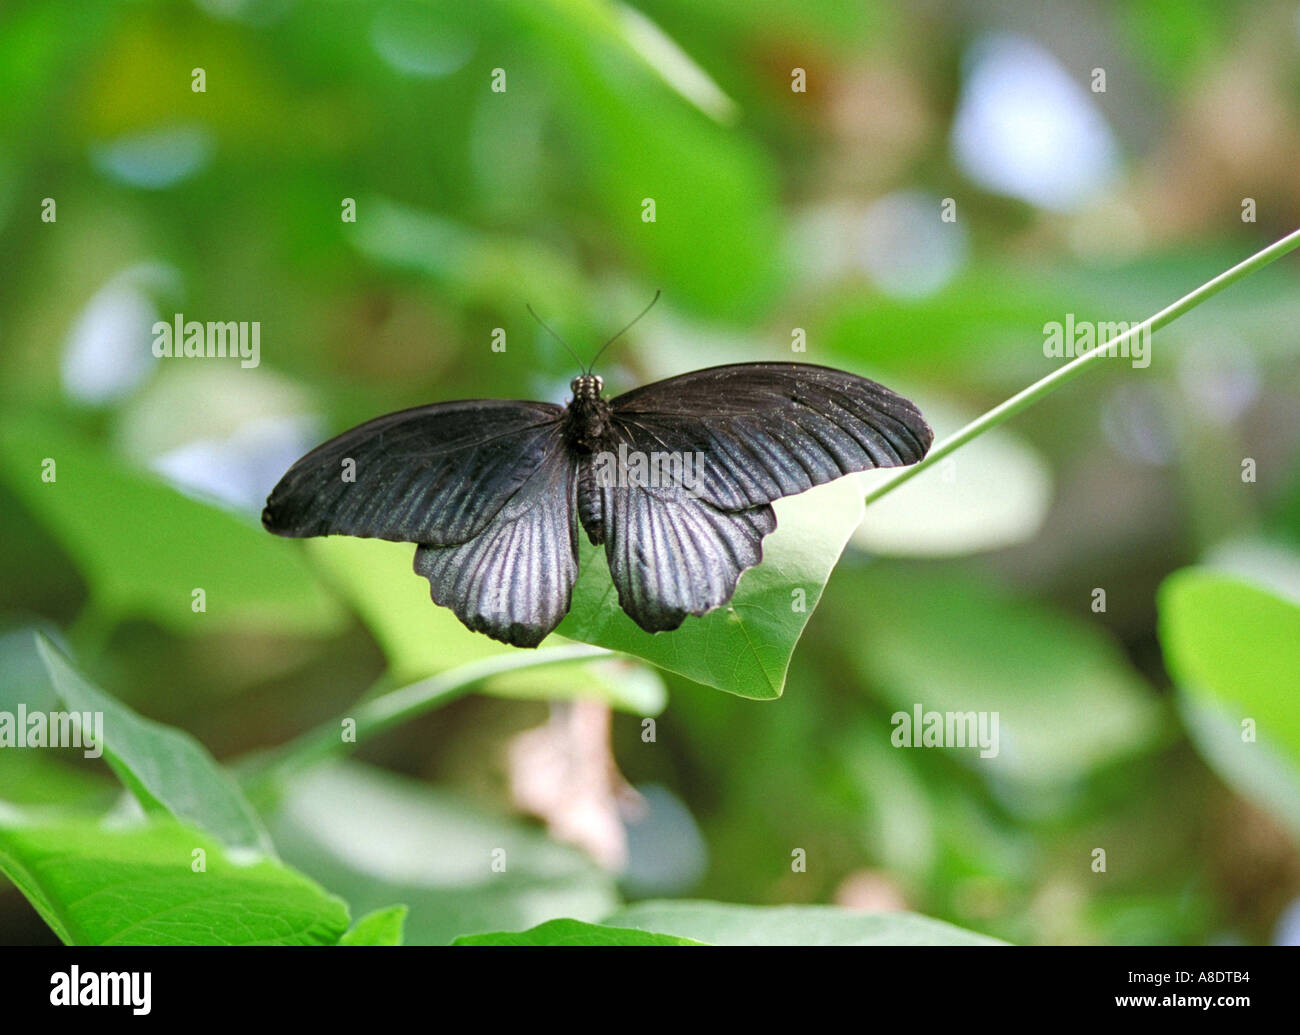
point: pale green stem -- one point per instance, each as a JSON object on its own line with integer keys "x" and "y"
{"x": 1044, "y": 387}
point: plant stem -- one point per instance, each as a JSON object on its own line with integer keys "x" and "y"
{"x": 1044, "y": 387}
{"x": 395, "y": 707}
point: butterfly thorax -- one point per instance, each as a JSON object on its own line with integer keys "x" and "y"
{"x": 586, "y": 418}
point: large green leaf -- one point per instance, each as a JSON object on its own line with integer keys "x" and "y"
{"x": 573, "y": 932}
{"x": 167, "y": 770}
{"x": 1233, "y": 647}
{"x": 377, "y": 838}
{"x": 161, "y": 884}
{"x": 716, "y": 923}
{"x": 1238, "y": 641}
{"x": 743, "y": 647}
{"x": 145, "y": 548}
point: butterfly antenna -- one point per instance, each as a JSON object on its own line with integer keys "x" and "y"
{"x": 623, "y": 331}
{"x": 546, "y": 327}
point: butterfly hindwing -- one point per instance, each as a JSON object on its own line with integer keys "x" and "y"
{"x": 434, "y": 474}
{"x": 514, "y": 579}
{"x": 671, "y": 555}
{"x": 767, "y": 430}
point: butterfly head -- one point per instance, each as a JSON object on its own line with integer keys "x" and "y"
{"x": 587, "y": 387}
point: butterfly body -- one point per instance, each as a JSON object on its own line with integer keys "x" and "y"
{"x": 674, "y": 479}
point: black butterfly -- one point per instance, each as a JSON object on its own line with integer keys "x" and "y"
{"x": 493, "y": 491}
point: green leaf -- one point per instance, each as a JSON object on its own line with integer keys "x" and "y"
{"x": 716, "y": 923}
{"x": 144, "y": 548}
{"x": 96, "y": 885}
{"x": 1233, "y": 648}
{"x": 1238, "y": 641}
{"x": 743, "y": 647}
{"x": 1066, "y": 698}
{"x": 376, "y": 838}
{"x": 382, "y": 927}
{"x": 167, "y": 770}
{"x": 573, "y": 932}
{"x": 715, "y": 237}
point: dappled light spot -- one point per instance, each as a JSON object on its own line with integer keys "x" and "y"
{"x": 906, "y": 249}
{"x": 1026, "y": 128}
{"x": 417, "y": 40}
{"x": 1135, "y": 422}
{"x": 241, "y": 468}
{"x": 156, "y": 158}
{"x": 107, "y": 353}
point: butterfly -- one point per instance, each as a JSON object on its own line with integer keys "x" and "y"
{"x": 675, "y": 479}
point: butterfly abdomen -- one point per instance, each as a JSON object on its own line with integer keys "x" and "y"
{"x": 591, "y": 508}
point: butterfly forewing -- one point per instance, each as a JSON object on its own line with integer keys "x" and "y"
{"x": 767, "y": 430}
{"x": 434, "y": 474}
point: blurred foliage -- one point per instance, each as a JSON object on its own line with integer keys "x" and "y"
{"x": 974, "y": 588}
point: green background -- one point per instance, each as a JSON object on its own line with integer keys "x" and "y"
{"x": 973, "y": 588}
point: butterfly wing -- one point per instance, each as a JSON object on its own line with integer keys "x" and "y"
{"x": 753, "y": 432}
{"x": 671, "y": 555}
{"x": 435, "y": 475}
{"x": 514, "y": 579}
{"x": 767, "y": 430}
